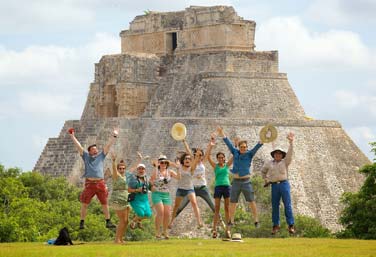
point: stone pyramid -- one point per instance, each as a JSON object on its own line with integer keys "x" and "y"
{"x": 199, "y": 67}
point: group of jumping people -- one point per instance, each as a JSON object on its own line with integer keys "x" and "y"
{"x": 130, "y": 186}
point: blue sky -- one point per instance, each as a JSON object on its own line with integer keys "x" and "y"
{"x": 48, "y": 50}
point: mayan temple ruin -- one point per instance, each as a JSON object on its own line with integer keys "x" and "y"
{"x": 199, "y": 67}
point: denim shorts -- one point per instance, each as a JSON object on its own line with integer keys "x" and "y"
{"x": 220, "y": 191}
{"x": 241, "y": 186}
{"x": 183, "y": 192}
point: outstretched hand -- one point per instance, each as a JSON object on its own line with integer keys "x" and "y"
{"x": 212, "y": 138}
{"x": 220, "y": 131}
{"x": 115, "y": 132}
{"x": 139, "y": 155}
{"x": 290, "y": 137}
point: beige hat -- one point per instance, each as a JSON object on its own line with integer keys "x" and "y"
{"x": 162, "y": 157}
{"x": 178, "y": 131}
{"x": 280, "y": 151}
{"x": 268, "y": 134}
{"x": 236, "y": 237}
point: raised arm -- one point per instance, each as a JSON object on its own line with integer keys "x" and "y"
{"x": 227, "y": 141}
{"x": 254, "y": 150}
{"x": 208, "y": 150}
{"x": 111, "y": 141}
{"x": 195, "y": 161}
{"x": 186, "y": 146}
{"x": 79, "y": 147}
{"x": 290, "y": 151}
{"x": 114, "y": 168}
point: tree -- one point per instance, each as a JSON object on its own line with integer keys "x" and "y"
{"x": 359, "y": 214}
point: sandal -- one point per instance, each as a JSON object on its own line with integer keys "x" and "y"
{"x": 139, "y": 225}
{"x": 215, "y": 234}
{"x": 165, "y": 235}
{"x": 132, "y": 225}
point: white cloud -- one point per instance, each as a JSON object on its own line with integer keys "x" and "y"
{"x": 342, "y": 12}
{"x": 45, "y": 104}
{"x": 52, "y": 80}
{"x": 362, "y": 136}
{"x": 304, "y": 49}
{"x": 25, "y": 16}
{"x": 54, "y": 65}
{"x": 38, "y": 142}
{"x": 347, "y": 99}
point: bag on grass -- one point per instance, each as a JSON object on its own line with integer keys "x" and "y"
{"x": 63, "y": 238}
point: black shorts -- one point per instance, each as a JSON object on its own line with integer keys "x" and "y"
{"x": 220, "y": 191}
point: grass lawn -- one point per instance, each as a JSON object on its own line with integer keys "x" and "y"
{"x": 280, "y": 247}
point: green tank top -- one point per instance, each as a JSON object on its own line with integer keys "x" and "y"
{"x": 222, "y": 175}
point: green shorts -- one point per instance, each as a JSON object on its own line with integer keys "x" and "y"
{"x": 161, "y": 197}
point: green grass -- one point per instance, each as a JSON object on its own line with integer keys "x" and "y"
{"x": 280, "y": 247}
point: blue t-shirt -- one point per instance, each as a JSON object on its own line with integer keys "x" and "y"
{"x": 93, "y": 165}
{"x": 242, "y": 162}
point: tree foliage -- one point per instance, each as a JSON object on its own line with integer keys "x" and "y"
{"x": 35, "y": 207}
{"x": 359, "y": 214}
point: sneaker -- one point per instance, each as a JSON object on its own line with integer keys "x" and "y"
{"x": 82, "y": 224}
{"x": 291, "y": 229}
{"x": 275, "y": 229}
{"x": 110, "y": 225}
{"x": 257, "y": 224}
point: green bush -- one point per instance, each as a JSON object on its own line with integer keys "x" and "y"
{"x": 359, "y": 215}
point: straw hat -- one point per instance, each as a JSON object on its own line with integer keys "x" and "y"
{"x": 268, "y": 134}
{"x": 178, "y": 131}
{"x": 236, "y": 237}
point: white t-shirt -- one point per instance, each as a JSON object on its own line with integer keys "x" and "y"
{"x": 199, "y": 175}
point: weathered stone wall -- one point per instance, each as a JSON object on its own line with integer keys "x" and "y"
{"x": 197, "y": 29}
{"x": 123, "y": 85}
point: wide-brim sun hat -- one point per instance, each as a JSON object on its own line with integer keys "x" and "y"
{"x": 268, "y": 134}
{"x": 236, "y": 237}
{"x": 178, "y": 131}
{"x": 278, "y": 150}
{"x": 162, "y": 158}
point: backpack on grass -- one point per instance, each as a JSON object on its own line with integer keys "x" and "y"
{"x": 63, "y": 238}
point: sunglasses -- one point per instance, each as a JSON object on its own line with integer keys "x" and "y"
{"x": 121, "y": 169}
{"x": 187, "y": 158}
{"x": 163, "y": 163}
